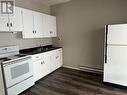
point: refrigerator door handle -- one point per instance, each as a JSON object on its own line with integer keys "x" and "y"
{"x": 106, "y": 37}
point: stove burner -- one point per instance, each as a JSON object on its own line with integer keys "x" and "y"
{"x": 5, "y": 59}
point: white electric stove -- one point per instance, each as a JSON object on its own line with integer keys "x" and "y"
{"x": 17, "y": 70}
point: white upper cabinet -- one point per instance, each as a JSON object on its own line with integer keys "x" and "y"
{"x": 4, "y": 23}
{"x": 50, "y": 26}
{"x": 28, "y": 31}
{"x": 38, "y": 24}
{"x": 11, "y": 22}
{"x": 15, "y": 21}
{"x": 32, "y": 24}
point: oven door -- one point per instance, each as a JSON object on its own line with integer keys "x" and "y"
{"x": 17, "y": 71}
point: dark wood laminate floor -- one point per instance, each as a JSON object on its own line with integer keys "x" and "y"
{"x": 71, "y": 82}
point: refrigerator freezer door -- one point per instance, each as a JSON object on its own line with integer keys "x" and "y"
{"x": 115, "y": 70}
{"x": 117, "y": 34}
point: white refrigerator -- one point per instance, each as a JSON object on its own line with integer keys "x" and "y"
{"x": 115, "y": 59}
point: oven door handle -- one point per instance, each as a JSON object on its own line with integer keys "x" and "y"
{"x": 16, "y": 61}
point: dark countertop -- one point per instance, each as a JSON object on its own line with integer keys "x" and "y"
{"x": 37, "y": 50}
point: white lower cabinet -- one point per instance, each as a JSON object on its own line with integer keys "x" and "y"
{"x": 41, "y": 66}
{"x": 56, "y": 59}
{"x": 46, "y": 63}
{"x": 59, "y": 58}
{"x": 37, "y": 70}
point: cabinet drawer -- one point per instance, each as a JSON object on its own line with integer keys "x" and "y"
{"x": 40, "y": 56}
{"x": 37, "y": 57}
{"x": 59, "y": 50}
{"x": 58, "y": 54}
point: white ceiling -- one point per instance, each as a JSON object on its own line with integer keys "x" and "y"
{"x": 52, "y": 2}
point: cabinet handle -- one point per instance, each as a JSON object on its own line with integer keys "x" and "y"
{"x": 57, "y": 57}
{"x": 11, "y": 24}
{"x": 43, "y": 62}
{"x": 7, "y": 24}
{"x": 51, "y": 32}
{"x": 34, "y": 31}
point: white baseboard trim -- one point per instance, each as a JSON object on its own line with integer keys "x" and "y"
{"x": 72, "y": 68}
{"x": 93, "y": 70}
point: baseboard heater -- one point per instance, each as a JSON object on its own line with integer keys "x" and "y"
{"x": 90, "y": 69}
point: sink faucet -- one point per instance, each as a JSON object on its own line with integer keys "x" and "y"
{"x": 40, "y": 48}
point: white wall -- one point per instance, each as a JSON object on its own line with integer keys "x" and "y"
{"x": 81, "y": 29}
{"x": 15, "y": 39}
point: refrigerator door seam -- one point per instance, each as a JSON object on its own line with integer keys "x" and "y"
{"x": 116, "y": 45}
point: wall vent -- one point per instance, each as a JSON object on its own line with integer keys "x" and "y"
{"x": 90, "y": 69}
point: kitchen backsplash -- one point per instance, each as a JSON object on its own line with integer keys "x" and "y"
{"x": 16, "y": 39}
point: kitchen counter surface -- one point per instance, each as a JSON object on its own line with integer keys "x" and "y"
{"x": 37, "y": 50}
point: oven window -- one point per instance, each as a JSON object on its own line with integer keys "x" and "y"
{"x": 19, "y": 70}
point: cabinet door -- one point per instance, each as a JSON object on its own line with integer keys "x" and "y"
{"x": 27, "y": 24}
{"x": 4, "y": 23}
{"x": 41, "y": 68}
{"x": 50, "y": 26}
{"x": 56, "y": 59}
{"x": 53, "y": 64}
{"x": 59, "y": 58}
{"x": 38, "y": 24}
{"x": 45, "y": 66}
{"x": 16, "y": 20}
{"x": 37, "y": 70}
